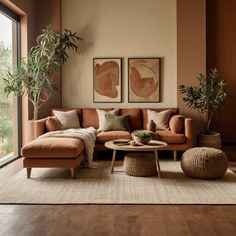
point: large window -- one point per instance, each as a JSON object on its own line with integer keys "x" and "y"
{"x": 9, "y": 106}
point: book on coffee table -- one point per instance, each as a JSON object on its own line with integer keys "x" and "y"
{"x": 121, "y": 142}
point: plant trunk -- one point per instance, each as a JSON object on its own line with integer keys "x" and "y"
{"x": 209, "y": 120}
{"x": 206, "y": 131}
{"x": 36, "y": 110}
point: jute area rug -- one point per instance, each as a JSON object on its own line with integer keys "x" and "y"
{"x": 98, "y": 186}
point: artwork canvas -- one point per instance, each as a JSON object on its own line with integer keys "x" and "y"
{"x": 107, "y": 80}
{"x": 144, "y": 79}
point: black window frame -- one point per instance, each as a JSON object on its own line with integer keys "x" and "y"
{"x": 16, "y": 18}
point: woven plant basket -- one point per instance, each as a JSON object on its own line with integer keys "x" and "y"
{"x": 209, "y": 140}
{"x": 140, "y": 164}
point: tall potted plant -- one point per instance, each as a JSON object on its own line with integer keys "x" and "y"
{"x": 34, "y": 75}
{"x": 206, "y": 97}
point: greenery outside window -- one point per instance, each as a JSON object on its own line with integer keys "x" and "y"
{"x": 10, "y": 107}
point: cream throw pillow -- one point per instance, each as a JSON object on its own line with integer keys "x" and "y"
{"x": 68, "y": 119}
{"x": 161, "y": 119}
{"x": 102, "y": 118}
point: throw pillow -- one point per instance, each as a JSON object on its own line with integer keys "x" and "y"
{"x": 161, "y": 119}
{"x": 113, "y": 122}
{"x": 52, "y": 124}
{"x": 68, "y": 119}
{"x": 101, "y": 117}
{"x": 177, "y": 124}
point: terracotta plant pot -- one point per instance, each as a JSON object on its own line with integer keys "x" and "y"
{"x": 209, "y": 140}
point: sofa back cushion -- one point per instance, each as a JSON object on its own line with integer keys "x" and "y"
{"x": 113, "y": 122}
{"x": 102, "y": 117}
{"x": 68, "y": 119}
{"x": 79, "y": 111}
{"x": 135, "y": 120}
{"x": 161, "y": 119}
{"x": 174, "y": 111}
{"x": 90, "y": 117}
{"x": 138, "y": 117}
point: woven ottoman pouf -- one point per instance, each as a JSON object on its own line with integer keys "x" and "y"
{"x": 140, "y": 164}
{"x": 204, "y": 162}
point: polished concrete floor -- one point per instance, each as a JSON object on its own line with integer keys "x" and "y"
{"x": 115, "y": 219}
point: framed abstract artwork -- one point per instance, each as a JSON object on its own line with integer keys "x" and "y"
{"x": 144, "y": 79}
{"x": 107, "y": 80}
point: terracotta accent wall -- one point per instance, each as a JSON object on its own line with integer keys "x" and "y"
{"x": 191, "y": 48}
{"x": 221, "y": 53}
{"x": 48, "y": 12}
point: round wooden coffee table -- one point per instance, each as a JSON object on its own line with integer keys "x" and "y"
{"x": 152, "y": 146}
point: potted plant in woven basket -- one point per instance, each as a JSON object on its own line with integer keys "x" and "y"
{"x": 206, "y": 97}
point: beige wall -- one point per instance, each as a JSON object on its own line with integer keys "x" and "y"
{"x": 119, "y": 28}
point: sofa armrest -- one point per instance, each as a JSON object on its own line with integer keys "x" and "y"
{"x": 36, "y": 128}
{"x": 188, "y": 131}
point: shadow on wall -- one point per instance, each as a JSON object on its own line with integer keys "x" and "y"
{"x": 87, "y": 42}
{"x": 87, "y": 39}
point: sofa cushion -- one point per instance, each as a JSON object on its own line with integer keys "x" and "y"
{"x": 90, "y": 117}
{"x": 79, "y": 111}
{"x": 161, "y": 119}
{"x": 174, "y": 111}
{"x": 176, "y": 124}
{"x": 169, "y": 137}
{"x": 112, "y": 135}
{"x": 53, "y": 148}
{"x": 52, "y": 124}
{"x": 68, "y": 119}
{"x": 102, "y": 117}
{"x": 135, "y": 120}
{"x": 113, "y": 122}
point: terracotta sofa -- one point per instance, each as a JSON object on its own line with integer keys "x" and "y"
{"x": 69, "y": 152}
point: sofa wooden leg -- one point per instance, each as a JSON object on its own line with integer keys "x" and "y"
{"x": 73, "y": 173}
{"x": 175, "y": 155}
{"x": 28, "y": 172}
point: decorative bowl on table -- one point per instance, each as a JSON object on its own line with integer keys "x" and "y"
{"x": 142, "y": 137}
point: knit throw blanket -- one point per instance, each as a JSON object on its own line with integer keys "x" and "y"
{"x": 87, "y": 135}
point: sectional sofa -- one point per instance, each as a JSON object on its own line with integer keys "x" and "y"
{"x": 70, "y": 152}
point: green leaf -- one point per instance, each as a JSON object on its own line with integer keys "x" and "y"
{"x": 34, "y": 76}
{"x": 207, "y": 95}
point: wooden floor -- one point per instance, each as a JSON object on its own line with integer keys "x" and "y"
{"x": 115, "y": 219}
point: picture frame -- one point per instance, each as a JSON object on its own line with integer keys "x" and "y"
{"x": 144, "y": 80}
{"x": 107, "y": 80}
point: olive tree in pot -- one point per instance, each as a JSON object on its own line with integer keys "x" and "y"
{"x": 206, "y": 98}
{"x": 34, "y": 76}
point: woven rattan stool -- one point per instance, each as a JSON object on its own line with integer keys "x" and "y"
{"x": 140, "y": 164}
{"x": 204, "y": 162}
